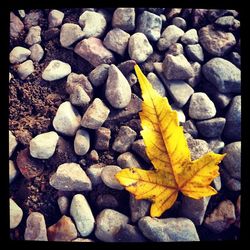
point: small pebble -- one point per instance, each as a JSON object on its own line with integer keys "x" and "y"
{"x": 179, "y": 22}
{"x": 138, "y": 147}
{"x": 55, "y": 18}
{"x": 106, "y": 201}
{"x": 34, "y": 35}
{"x": 25, "y": 69}
{"x": 12, "y": 171}
{"x": 16, "y": 26}
{"x": 37, "y": 52}
{"x": 93, "y": 155}
{"x": 82, "y": 142}
{"x": 108, "y": 177}
{"x": 216, "y": 145}
{"x": 138, "y": 208}
{"x": 79, "y": 97}
{"x": 189, "y": 127}
{"x": 156, "y": 83}
{"x": 103, "y": 136}
{"x": 195, "y": 52}
{"x": 190, "y": 37}
{"x": 19, "y": 54}
{"x": 63, "y": 204}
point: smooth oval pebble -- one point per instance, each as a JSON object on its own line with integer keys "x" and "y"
{"x": 108, "y": 177}
{"x": 82, "y": 142}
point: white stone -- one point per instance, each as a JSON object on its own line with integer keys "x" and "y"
{"x": 33, "y": 36}
{"x": 37, "y": 52}
{"x": 16, "y": 214}
{"x": 25, "y": 69}
{"x": 55, "y": 18}
{"x": 19, "y": 54}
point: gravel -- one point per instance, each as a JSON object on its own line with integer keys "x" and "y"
{"x": 128, "y": 160}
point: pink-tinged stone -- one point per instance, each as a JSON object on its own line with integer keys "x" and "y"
{"x": 93, "y": 51}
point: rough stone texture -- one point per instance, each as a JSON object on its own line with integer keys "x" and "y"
{"x": 79, "y": 97}
{"x": 16, "y": 214}
{"x": 138, "y": 147}
{"x": 32, "y": 19}
{"x": 189, "y": 127}
{"x": 94, "y": 173}
{"x": 223, "y": 74}
{"x": 196, "y": 79}
{"x": 70, "y": 33}
{"x": 108, "y": 177}
{"x": 12, "y": 143}
{"x": 82, "y": 215}
{"x": 56, "y": 70}
{"x": 95, "y": 115}
{"x": 169, "y": 36}
{"x": 139, "y": 48}
{"x": 232, "y": 129}
{"x": 12, "y": 171}
{"x": 167, "y": 230}
{"x": 197, "y": 148}
{"x": 216, "y": 145}
{"x": 118, "y": 90}
{"x": 190, "y": 37}
{"x": 67, "y": 119}
{"x": 117, "y": 41}
{"x": 35, "y": 227}
{"x": 126, "y": 67}
{"x": 55, "y": 18}
{"x": 16, "y": 26}
{"x": 70, "y": 177}
{"x": 201, "y": 107}
{"x": 37, "y": 52}
{"x": 25, "y": 69}
{"x": 216, "y": 42}
{"x": 150, "y": 25}
{"x": 127, "y": 160}
{"x": 19, "y": 54}
{"x": 82, "y": 142}
{"x": 63, "y": 230}
{"x": 98, "y": 76}
{"x": 138, "y": 208}
{"x": 93, "y": 24}
{"x": 34, "y": 35}
{"x": 108, "y": 222}
{"x": 103, "y": 136}
{"x": 63, "y": 204}
{"x": 156, "y": 83}
{"x": 93, "y": 51}
{"x": 195, "y": 52}
{"x": 221, "y": 218}
{"x": 124, "y": 18}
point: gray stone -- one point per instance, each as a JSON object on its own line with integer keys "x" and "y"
{"x": 230, "y": 182}
{"x": 235, "y": 58}
{"x": 108, "y": 222}
{"x": 98, "y": 76}
{"x": 70, "y": 33}
{"x": 211, "y": 128}
{"x": 12, "y": 143}
{"x": 25, "y": 69}
{"x": 150, "y": 25}
{"x": 16, "y": 214}
{"x": 169, "y": 36}
{"x": 117, "y": 91}
{"x": 93, "y": 51}
{"x": 35, "y": 227}
{"x": 201, "y": 107}
{"x": 93, "y": 24}
{"x": 12, "y": 171}
{"x": 194, "y": 209}
{"x": 216, "y": 145}
{"x": 156, "y": 83}
{"x": 43, "y": 146}
{"x": 67, "y": 119}
{"x": 190, "y": 37}
{"x": 79, "y": 97}
{"x": 197, "y": 148}
{"x": 175, "y": 49}
{"x": 196, "y": 79}
{"x": 179, "y": 22}
{"x": 63, "y": 204}
{"x": 94, "y": 173}
{"x": 34, "y": 35}
{"x": 167, "y": 230}
{"x": 223, "y": 74}
{"x": 124, "y": 139}
{"x": 232, "y": 129}
{"x": 70, "y": 177}
{"x": 82, "y": 215}
{"x": 139, "y": 48}
{"x": 127, "y": 160}
{"x": 55, "y": 18}
{"x": 56, "y": 70}
{"x": 189, "y": 127}
{"x": 95, "y": 115}
{"x": 180, "y": 114}
{"x": 82, "y": 142}
{"x": 106, "y": 201}
{"x": 16, "y": 26}
{"x": 37, "y": 52}
{"x": 117, "y": 41}
{"x": 103, "y": 136}
{"x": 228, "y": 23}
{"x": 221, "y": 218}
{"x": 129, "y": 233}
{"x": 19, "y": 54}
{"x": 126, "y": 67}
{"x": 195, "y": 52}
{"x": 138, "y": 208}
{"x": 216, "y": 42}
{"x": 124, "y": 18}
{"x": 108, "y": 177}
{"x": 138, "y": 147}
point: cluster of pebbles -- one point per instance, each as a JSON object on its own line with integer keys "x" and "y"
{"x": 191, "y": 56}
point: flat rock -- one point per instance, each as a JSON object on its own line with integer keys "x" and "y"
{"x": 95, "y": 115}
{"x": 19, "y": 54}
{"x": 82, "y": 215}
{"x": 16, "y": 214}
{"x": 12, "y": 143}
{"x": 195, "y": 52}
{"x": 190, "y": 37}
{"x": 167, "y": 230}
{"x": 99, "y": 75}
{"x": 12, "y": 171}
{"x": 63, "y": 204}
{"x": 16, "y": 26}
{"x": 93, "y": 51}
{"x": 124, "y": 18}
{"x": 138, "y": 208}
{"x": 129, "y": 233}
{"x": 70, "y": 177}
{"x": 108, "y": 222}
{"x": 127, "y": 160}
{"x": 108, "y": 177}
{"x": 63, "y": 230}
{"x": 156, "y": 83}
{"x": 35, "y": 227}
{"x": 103, "y": 136}
{"x": 55, "y": 18}
{"x": 43, "y": 146}
{"x": 139, "y": 48}
{"x": 216, "y": 42}
{"x": 67, "y": 119}
{"x": 82, "y": 142}
{"x": 25, "y": 69}
{"x": 37, "y": 52}
{"x": 117, "y": 91}
{"x": 56, "y": 70}
{"x": 34, "y": 35}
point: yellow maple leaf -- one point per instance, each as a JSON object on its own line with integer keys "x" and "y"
{"x": 167, "y": 148}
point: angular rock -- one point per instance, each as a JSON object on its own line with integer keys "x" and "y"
{"x": 93, "y": 51}
{"x": 98, "y": 76}
{"x": 127, "y": 160}
{"x": 103, "y": 136}
{"x": 139, "y": 48}
{"x": 117, "y": 91}
{"x": 156, "y": 83}
{"x": 16, "y": 214}
{"x": 12, "y": 143}
{"x": 106, "y": 201}
{"x": 67, "y": 119}
{"x": 19, "y": 54}
{"x": 126, "y": 67}
{"x": 70, "y": 177}
{"x": 238, "y": 208}
{"x": 82, "y": 215}
{"x": 82, "y": 142}
{"x": 197, "y": 148}
{"x": 196, "y": 79}
{"x": 138, "y": 208}
{"x": 32, "y": 19}
{"x": 129, "y": 233}
{"x": 150, "y": 25}
{"x": 55, "y": 18}
{"x": 63, "y": 230}
{"x": 216, "y": 145}
{"x": 195, "y": 52}
{"x": 189, "y": 127}
{"x": 108, "y": 222}
{"x": 124, "y": 18}
{"x": 94, "y": 173}
{"x": 108, "y": 177}
{"x": 56, "y": 70}
{"x": 216, "y": 42}
{"x": 95, "y": 115}
{"x": 138, "y": 147}
{"x": 37, "y": 52}
{"x": 175, "y": 49}
{"x": 34, "y": 35}
{"x": 12, "y": 171}
{"x": 16, "y": 26}
{"x": 25, "y": 69}
{"x": 190, "y": 37}
{"x": 63, "y": 204}
{"x": 35, "y": 227}
{"x": 79, "y": 97}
